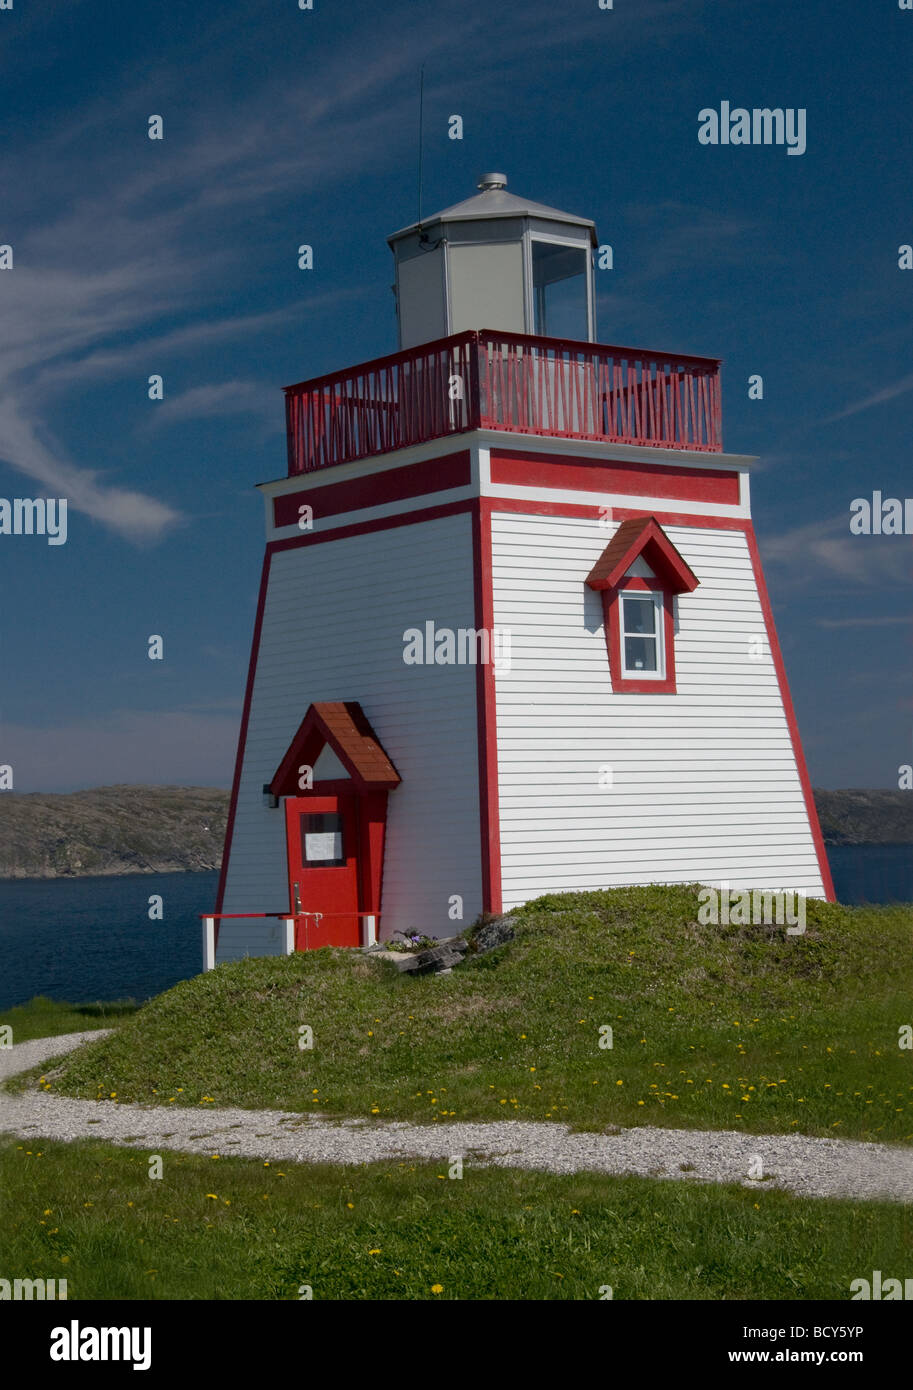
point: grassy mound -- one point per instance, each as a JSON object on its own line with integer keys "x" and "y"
{"x": 736, "y": 1027}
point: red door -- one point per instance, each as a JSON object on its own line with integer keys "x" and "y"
{"x": 322, "y": 836}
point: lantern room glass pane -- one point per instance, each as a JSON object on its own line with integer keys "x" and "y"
{"x": 560, "y": 290}
{"x": 486, "y": 287}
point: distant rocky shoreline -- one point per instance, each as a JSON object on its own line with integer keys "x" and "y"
{"x": 857, "y": 817}
{"x": 159, "y": 830}
{"x": 111, "y": 831}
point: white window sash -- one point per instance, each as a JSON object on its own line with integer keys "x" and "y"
{"x": 657, "y": 636}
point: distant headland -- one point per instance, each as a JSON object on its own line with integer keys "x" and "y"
{"x": 156, "y": 830}
{"x": 111, "y": 830}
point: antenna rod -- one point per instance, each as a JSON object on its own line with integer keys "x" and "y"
{"x": 421, "y": 115}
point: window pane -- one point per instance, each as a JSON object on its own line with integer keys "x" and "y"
{"x": 640, "y": 653}
{"x": 639, "y": 615}
{"x": 321, "y": 840}
{"x": 559, "y": 290}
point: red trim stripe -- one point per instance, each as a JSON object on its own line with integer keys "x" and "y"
{"x": 612, "y": 513}
{"x": 362, "y": 528}
{"x": 507, "y": 504}
{"x": 376, "y": 489}
{"x": 790, "y": 713}
{"x": 600, "y": 475}
{"x": 486, "y": 711}
{"x": 242, "y": 734}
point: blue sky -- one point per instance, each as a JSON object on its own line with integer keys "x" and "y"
{"x": 134, "y": 257}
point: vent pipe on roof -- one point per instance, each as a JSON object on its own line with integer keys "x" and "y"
{"x": 488, "y": 181}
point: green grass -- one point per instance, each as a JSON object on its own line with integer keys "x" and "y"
{"x": 734, "y": 1027}
{"x": 235, "y": 1229}
{"x": 46, "y": 1018}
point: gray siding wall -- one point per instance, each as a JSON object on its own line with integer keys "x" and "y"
{"x": 333, "y": 630}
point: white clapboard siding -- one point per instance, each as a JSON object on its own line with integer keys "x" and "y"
{"x": 704, "y": 784}
{"x": 333, "y": 630}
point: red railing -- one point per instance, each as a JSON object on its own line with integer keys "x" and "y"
{"x": 506, "y": 381}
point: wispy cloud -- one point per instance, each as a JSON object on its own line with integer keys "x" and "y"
{"x": 113, "y": 362}
{"x": 698, "y": 235}
{"x": 220, "y": 399}
{"x": 674, "y": 239}
{"x": 132, "y": 260}
{"x": 135, "y": 515}
{"x": 898, "y": 621}
{"x": 822, "y": 550}
{"x": 93, "y": 287}
{"x": 888, "y": 393}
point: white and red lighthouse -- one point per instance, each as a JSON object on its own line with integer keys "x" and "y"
{"x": 513, "y": 635}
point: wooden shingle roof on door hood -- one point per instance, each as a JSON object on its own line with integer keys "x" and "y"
{"x": 342, "y": 726}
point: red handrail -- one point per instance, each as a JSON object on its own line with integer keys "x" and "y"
{"x": 210, "y": 943}
{"x": 517, "y": 382}
{"x": 219, "y": 916}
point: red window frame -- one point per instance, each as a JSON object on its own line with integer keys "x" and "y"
{"x": 611, "y": 607}
{"x": 670, "y": 574}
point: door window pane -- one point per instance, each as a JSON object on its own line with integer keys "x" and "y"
{"x": 321, "y": 840}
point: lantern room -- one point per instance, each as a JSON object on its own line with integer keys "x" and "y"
{"x": 499, "y": 260}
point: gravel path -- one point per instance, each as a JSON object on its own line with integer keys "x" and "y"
{"x": 808, "y": 1167}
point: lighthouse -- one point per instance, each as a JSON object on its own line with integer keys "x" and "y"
{"x": 512, "y": 636}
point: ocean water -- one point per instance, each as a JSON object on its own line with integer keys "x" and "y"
{"x": 91, "y": 938}
{"x": 872, "y": 873}
{"x": 84, "y": 939}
